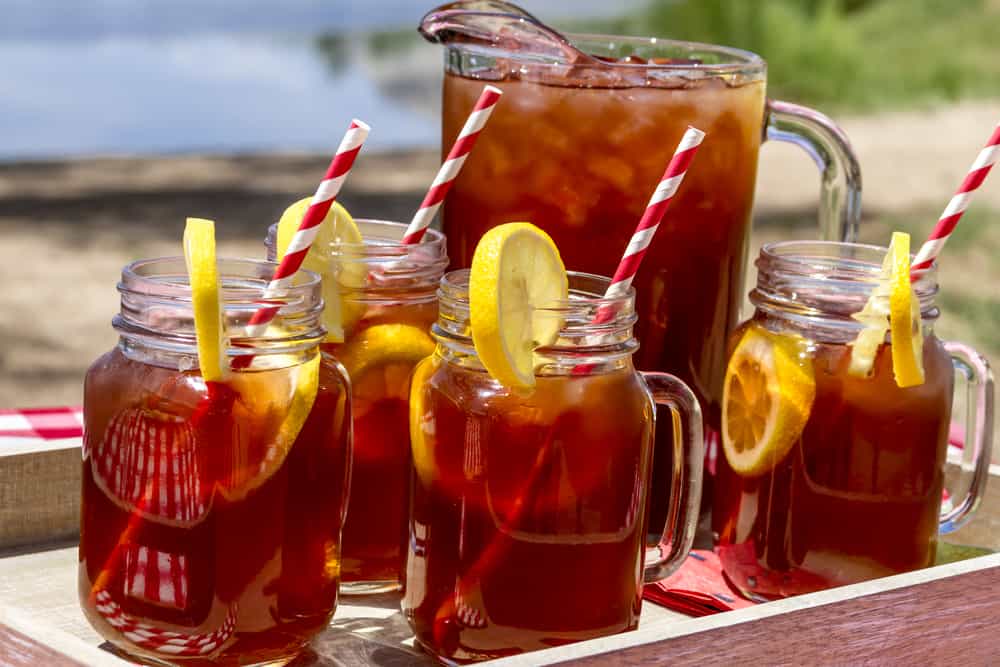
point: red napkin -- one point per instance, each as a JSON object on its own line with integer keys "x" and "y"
{"x": 697, "y": 588}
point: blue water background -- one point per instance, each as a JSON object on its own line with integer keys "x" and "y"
{"x": 151, "y": 76}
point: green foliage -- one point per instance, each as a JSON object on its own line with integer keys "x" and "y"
{"x": 856, "y": 54}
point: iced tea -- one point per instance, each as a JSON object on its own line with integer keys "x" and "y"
{"x": 857, "y": 493}
{"x": 581, "y": 163}
{"x": 527, "y": 526}
{"x": 209, "y": 530}
{"x": 577, "y": 146}
{"x": 375, "y": 530}
{"x": 388, "y": 302}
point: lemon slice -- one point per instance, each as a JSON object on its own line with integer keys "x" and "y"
{"x": 379, "y": 361}
{"x": 904, "y": 317}
{"x": 206, "y": 302}
{"x": 767, "y": 396}
{"x": 422, "y": 423}
{"x": 262, "y": 443}
{"x": 383, "y": 344}
{"x": 892, "y": 308}
{"x": 337, "y": 228}
{"x": 516, "y": 269}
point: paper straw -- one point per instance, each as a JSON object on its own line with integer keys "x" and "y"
{"x": 956, "y": 207}
{"x": 299, "y": 246}
{"x": 452, "y": 165}
{"x": 651, "y": 219}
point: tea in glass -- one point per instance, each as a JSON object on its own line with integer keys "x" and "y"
{"x": 527, "y": 526}
{"x": 581, "y": 138}
{"x": 854, "y": 491}
{"x": 386, "y": 292}
{"x": 211, "y": 511}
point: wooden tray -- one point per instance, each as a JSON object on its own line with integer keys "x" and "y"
{"x": 925, "y": 617}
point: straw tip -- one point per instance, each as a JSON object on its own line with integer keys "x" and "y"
{"x": 694, "y": 132}
{"x": 493, "y": 89}
{"x": 360, "y": 124}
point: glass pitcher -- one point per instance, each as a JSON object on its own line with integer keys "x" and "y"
{"x": 578, "y": 142}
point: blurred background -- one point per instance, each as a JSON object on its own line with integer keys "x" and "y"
{"x": 119, "y": 118}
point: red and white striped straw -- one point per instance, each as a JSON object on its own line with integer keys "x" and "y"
{"x": 651, "y": 218}
{"x": 648, "y": 224}
{"x": 452, "y": 165}
{"x": 326, "y": 193}
{"x": 956, "y": 207}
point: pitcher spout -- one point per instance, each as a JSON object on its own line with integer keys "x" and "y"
{"x": 499, "y": 29}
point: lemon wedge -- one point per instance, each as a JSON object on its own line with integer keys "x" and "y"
{"x": 904, "y": 317}
{"x": 206, "y": 302}
{"x": 383, "y": 344}
{"x": 379, "y": 361}
{"x": 767, "y": 396}
{"x": 515, "y": 270}
{"x": 337, "y": 228}
{"x": 262, "y": 443}
{"x": 422, "y": 424}
{"x": 892, "y": 308}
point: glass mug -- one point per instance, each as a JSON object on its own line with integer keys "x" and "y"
{"x": 527, "y": 525}
{"x": 577, "y": 145}
{"x": 388, "y": 296}
{"x": 858, "y": 496}
{"x": 211, "y": 513}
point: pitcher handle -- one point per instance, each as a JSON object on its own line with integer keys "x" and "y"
{"x": 975, "y": 371}
{"x": 685, "y": 491}
{"x": 828, "y": 146}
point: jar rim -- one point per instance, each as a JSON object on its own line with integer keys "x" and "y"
{"x": 381, "y": 240}
{"x": 586, "y": 334}
{"x": 455, "y": 286}
{"x": 734, "y": 60}
{"x": 171, "y": 280}
{"x": 741, "y": 60}
{"x": 854, "y": 262}
{"x": 156, "y": 307}
{"x": 820, "y": 286}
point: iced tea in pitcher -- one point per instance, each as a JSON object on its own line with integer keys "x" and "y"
{"x": 211, "y": 510}
{"x": 527, "y": 527}
{"x": 833, "y": 460}
{"x": 579, "y": 141}
{"x": 384, "y": 294}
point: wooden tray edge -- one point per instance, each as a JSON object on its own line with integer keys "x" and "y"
{"x": 663, "y": 632}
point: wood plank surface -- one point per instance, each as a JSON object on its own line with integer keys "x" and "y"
{"x": 949, "y": 621}
{"x": 938, "y": 616}
{"x": 17, "y": 650}
{"x": 366, "y": 630}
{"x": 25, "y": 641}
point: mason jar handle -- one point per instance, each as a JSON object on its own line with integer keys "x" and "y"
{"x": 828, "y": 146}
{"x": 977, "y": 376}
{"x": 685, "y": 491}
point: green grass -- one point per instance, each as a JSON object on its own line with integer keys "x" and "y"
{"x": 861, "y": 55}
{"x": 979, "y": 314}
{"x": 977, "y": 231}
{"x": 968, "y": 273}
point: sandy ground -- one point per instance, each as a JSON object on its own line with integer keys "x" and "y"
{"x": 67, "y": 228}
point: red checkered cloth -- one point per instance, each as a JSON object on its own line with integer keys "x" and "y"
{"x": 40, "y": 424}
{"x": 698, "y": 588}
